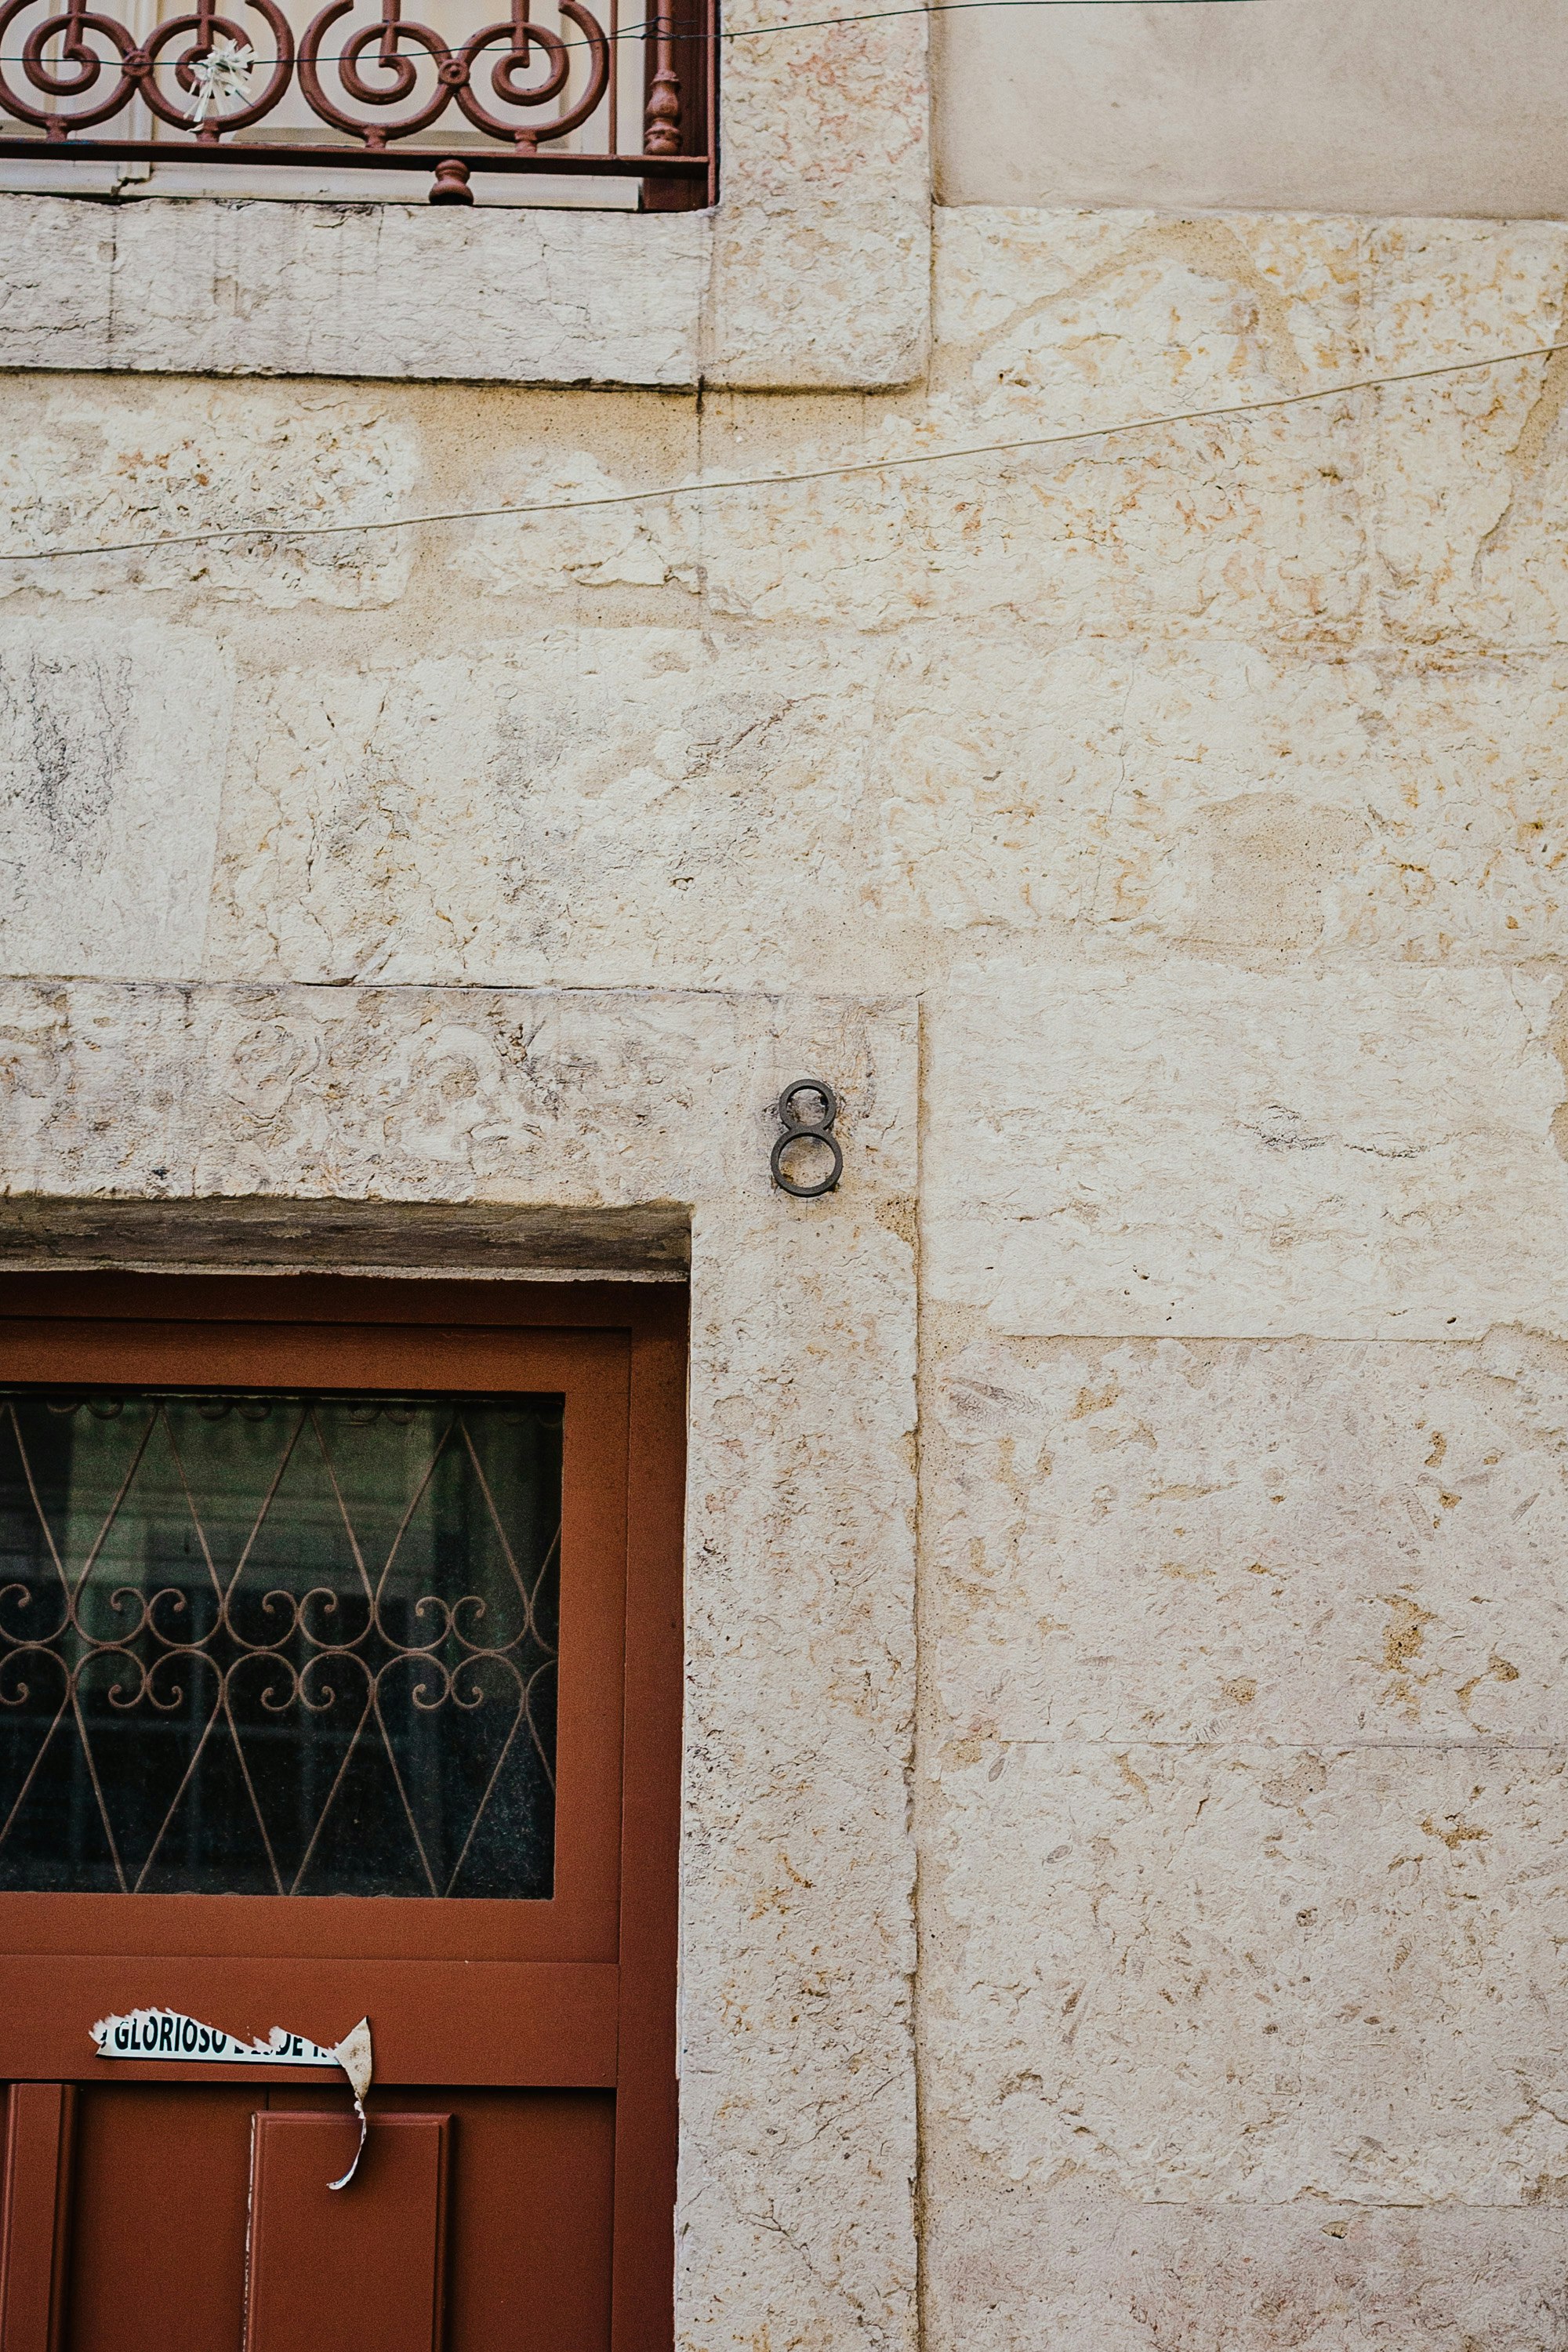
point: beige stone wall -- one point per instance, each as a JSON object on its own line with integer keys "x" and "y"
{"x": 1206, "y": 786}
{"x": 1368, "y": 105}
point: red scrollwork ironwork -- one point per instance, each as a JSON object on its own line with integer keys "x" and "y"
{"x": 522, "y": 93}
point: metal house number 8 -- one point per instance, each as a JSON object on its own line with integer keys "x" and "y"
{"x": 801, "y": 1130}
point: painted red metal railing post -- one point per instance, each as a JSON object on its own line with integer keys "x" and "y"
{"x": 661, "y": 122}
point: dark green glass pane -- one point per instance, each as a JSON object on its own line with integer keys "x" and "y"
{"x": 279, "y": 1643}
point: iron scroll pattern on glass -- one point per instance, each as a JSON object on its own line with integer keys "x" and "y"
{"x": 544, "y": 89}
{"x": 274, "y": 1644}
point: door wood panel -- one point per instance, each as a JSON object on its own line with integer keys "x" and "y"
{"x": 432, "y": 2023}
{"x": 163, "y": 2199}
{"x": 532, "y": 2217}
{"x": 327, "y": 2271}
{"x": 35, "y": 2219}
{"x": 157, "y": 2243}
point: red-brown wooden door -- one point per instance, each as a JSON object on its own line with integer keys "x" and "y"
{"x": 396, "y": 1736}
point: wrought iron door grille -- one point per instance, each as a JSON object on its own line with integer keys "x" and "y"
{"x": 266, "y": 1644}
{"x": 553, "y": 87}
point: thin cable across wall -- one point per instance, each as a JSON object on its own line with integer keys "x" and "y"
{"x": 808, "y": 24}
{"x": 258, "y": 529}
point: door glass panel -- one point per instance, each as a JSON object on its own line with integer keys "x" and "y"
{"x": 277, "y": 1643}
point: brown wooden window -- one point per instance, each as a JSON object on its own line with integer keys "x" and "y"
{"x": 339, "y": 1669}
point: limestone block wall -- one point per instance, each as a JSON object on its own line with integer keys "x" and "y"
{"x": 1207, "y": 787}
{"x": 1414, "y": 105}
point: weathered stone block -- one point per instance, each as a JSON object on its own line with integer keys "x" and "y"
{"x": 1241, "y": 1972}
{"x": 1208, "y": 1151}
{"x": 1084, "y": 2270}
{"x": 105, "y": 463}
{"x": 111, "y": 758}
{"x": 1287, "y": 1541}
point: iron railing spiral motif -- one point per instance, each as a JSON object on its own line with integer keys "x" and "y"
{"x": 68, "y": 59}
{"x": 544, "y": 86}
{"x": 278, "y": 1644}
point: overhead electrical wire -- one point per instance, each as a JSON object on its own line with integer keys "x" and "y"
{"x": 702, "y": 489}
{"x": 949, "y": 7}
{"x": 807, "y": 24}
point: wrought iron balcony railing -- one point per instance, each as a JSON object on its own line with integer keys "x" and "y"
{"x": 560, "y": 87}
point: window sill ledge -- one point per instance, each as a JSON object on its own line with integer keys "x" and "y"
{"x": 213, "y": 286}
{"x": 798, "y": 294}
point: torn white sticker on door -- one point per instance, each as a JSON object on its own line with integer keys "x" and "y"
{"x": 168, "y": 2033}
